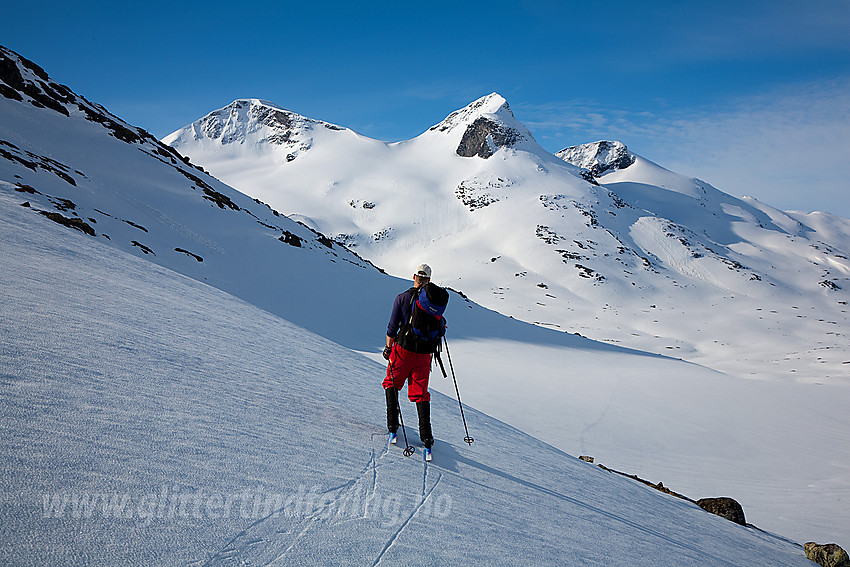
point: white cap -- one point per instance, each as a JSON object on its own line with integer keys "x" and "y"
{"x": 424, "y": 270}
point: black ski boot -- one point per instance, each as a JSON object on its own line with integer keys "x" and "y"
{"x": 392, "y": 409}
{"x": 424, "y": 411}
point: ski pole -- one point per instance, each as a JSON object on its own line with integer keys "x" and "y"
{"x": 440, "y": 362}
{"x": 468, "y": 440}
{"x": 408, "y": 448}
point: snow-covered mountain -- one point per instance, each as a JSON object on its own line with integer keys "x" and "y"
{"x": 119, "y": 192}
{"x": 268, "y": 125}
{"x": 610, "y": 245}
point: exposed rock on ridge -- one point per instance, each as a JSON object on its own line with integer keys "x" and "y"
{"x": 599, "y": 157}
{"x": 24, "y": 81}
{"x": 254, "y": 121}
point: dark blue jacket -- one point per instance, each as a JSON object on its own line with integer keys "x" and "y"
{"x": 401, "y": 312}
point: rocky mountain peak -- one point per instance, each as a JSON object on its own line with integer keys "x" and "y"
{"x": 493, "y": 103}
{"x": 253, "y": 120}
{"x": 485, "y": 126}
{"x": 598, "y": 157}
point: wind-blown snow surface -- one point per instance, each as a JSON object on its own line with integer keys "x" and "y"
{"x": 148, "y": 418}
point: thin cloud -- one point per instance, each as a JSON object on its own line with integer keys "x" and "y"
{"x": 788, "y": 148}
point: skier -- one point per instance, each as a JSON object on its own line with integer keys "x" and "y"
{"x": 409, "y": 353}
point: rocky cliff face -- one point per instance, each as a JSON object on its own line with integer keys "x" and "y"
{"x": 485, "y": 136}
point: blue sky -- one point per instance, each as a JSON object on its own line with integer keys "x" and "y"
{"x": 752, "y": 96}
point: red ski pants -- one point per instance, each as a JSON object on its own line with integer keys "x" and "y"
{"x": 411, "y": 367}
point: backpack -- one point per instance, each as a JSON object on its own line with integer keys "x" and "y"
{"x": 426, "y": 326}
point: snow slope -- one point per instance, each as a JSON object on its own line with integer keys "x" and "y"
{"x": 698, "y": 431}
{"x": 148, "y": 418}
{"x": 129, "y": 190}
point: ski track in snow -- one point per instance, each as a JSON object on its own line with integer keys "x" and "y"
{"x": 582, "y": 443}
{"x": 241, "y": 545}
{"x": 426, "y": 492}
{"x": 241, "y": 548}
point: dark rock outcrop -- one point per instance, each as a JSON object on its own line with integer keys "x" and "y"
{"x": 724, "y": 507}
{"x": 290, "y": 239}
{"x": 70, "y": 222}
{"x": 184, "y": 251}
{"x": 484, "y": 136}
{"x": 219, "y": 199}
{"x": 144, "y": 248}
{"x": 829, "y": 555}
{"x": 43, "y": 94}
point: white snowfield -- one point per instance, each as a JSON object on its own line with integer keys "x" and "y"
{"x": 148, "y": 418}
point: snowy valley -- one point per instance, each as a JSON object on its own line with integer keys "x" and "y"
{"x": 180, "y": 339}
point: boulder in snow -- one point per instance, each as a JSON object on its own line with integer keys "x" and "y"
{"x": 724, "y": 507}
{"x": 829, "y": 555}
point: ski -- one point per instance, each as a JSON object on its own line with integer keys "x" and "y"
{"x": 427, "y": 454}
{"x": 393, "y": 438}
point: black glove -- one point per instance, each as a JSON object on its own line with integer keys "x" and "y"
{"x": 387, "y": 351}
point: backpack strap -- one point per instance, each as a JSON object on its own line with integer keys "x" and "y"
{"x": 414, "y": 296}
{"x": 407, "y": 328}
